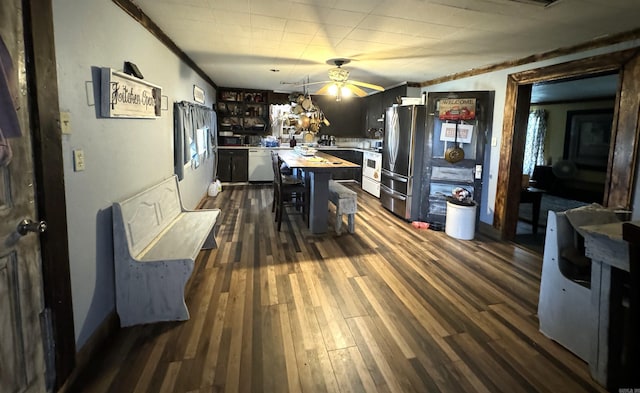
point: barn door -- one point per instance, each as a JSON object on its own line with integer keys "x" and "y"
{"x": 22, "y": 365}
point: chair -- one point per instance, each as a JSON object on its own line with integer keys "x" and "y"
{"x": 564, "y": 305}
{"x": 285, "y": 189}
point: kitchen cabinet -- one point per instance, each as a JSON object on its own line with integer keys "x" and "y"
{"x": 392, "y": 96}
{"x": 346, "y": 116}
{"x": 373, "y": 114}
{"x": 376, "y": 104}
{"x": 243, "y": 111}
{"x": 347, "y": 173}
{"x": 233, "y": 165}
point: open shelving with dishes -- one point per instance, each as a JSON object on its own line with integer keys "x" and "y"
{"x": 242, "y": 111}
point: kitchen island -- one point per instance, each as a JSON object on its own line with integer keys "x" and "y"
{"x": 318, "y": 169}
{"x": 235, "y": 162}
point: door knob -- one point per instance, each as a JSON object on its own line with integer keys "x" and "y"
{"x": 25, "y": 226}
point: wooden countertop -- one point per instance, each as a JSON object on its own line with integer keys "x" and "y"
{"x": 320, "y": 160}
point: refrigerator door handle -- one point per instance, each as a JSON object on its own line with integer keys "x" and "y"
{"x": 394, "y": 176}
{"x": 392, "y": 193}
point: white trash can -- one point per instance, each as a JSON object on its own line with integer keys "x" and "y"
{"x": 461, "y": 221}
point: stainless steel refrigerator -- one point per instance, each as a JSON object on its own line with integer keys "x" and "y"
{"x": 402, "y": 160}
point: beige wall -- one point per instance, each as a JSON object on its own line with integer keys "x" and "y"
{"x": 556, "y": 126}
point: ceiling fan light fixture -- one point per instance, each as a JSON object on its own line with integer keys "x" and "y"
{"x": 345, "y": 91}
{"x": 333, "y": 89}
{"x": 338, "y": 74}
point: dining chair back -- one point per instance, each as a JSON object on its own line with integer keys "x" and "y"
{"x": 286, "y": 190}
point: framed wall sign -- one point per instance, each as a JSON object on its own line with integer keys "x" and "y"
{"x": 198, "y": 94}
{"x": 448, "y": 132}
{"x": 125, "y": 96}
{"x": 588, "y": 137}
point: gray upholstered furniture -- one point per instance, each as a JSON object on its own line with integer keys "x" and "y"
{"x": 156, "y": 241}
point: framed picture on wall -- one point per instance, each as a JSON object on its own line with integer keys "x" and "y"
{"x": 198, "y": 94}
{"x": 588, "y": 137}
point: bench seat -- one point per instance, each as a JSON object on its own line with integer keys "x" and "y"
{"x": 156, "y": 241}
{"x": 164, "y": 246}
{"x": 346, "y": 202}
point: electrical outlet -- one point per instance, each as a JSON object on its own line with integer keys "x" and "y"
{"x": 78, "y": 160}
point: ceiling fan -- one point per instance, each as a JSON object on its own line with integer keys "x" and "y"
{"x": 339, "y": 84}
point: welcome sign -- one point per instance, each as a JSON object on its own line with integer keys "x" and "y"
{"x": 126, "y": 96}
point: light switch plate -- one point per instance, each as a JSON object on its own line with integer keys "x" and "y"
{"x": 65, "y": 122}
{"x": 78, "y": 160}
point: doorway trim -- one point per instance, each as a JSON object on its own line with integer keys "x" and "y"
{"x": 44, "y": 112}
{"x": 624, "y": 134}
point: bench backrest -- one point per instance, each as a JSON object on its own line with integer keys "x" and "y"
{"x": 146, "y": 214}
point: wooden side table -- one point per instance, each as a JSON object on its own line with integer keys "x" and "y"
{"x": 534, "y": 196}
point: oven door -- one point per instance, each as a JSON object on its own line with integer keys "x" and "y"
{"x": 371, "y": 165}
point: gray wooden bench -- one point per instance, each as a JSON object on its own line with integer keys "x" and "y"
{"x": 346, "y": 202}
{"x": 156, "y": 241}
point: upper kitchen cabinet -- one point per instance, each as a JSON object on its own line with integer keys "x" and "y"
{"x": 376, "y": 104}
{"x": 278, "y": 98}
{"x": 394, "y": 95}
{"x": 373, "y": 114}
{"x": 243, "y": 111}
{"x": 345, "y": 117}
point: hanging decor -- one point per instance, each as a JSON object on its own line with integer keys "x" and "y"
{"x": 464, "y": 132}
{"x": 125, "y": 96}
{"x": 457, "y": 109}
{"x": 303, "y": 116}
{"x": 198, "y": 94}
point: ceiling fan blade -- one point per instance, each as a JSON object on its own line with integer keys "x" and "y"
{"x": 324, "y": 89}
{"x": 367, "y": 85}
{"x": 309, "y": 83}
{"x": 355, "y": 89}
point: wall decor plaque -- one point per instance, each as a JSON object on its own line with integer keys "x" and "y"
{"x": 198, "y": 94}
{"x": 125, "y": 96}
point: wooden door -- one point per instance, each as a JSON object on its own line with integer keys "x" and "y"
{"x": 22, "y": 365}
{"x": 470, "y": 133}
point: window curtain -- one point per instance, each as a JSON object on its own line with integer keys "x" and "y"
{"x": 188, "y": 118}
{"x": 534, "y": 144}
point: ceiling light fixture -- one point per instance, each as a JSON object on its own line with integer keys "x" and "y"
{"x": 339, "y": 84}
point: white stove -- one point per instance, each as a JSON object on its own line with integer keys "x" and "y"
{"x": 371, "y": 167}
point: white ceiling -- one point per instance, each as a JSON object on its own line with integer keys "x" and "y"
{"x": 238, "y": 42}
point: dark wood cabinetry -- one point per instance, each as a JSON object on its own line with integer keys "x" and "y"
{"x": 243, "y": 111}
{"x": 233, "y": 165}
{"x": 374, "y": 114}
{"x": 345, "y": 116}
{"x": 347, "y": 173}
{"x": 375, "y": 105}
{"x": 393, "y": 96}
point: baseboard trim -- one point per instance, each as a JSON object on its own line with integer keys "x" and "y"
{"x": 89, "y": 351}
{"x": 489, "y": 230}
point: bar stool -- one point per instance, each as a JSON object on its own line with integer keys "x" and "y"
{"x": 286, "y": 190}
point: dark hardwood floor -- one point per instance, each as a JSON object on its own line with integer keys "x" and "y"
{"x": 390, "y": 308}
